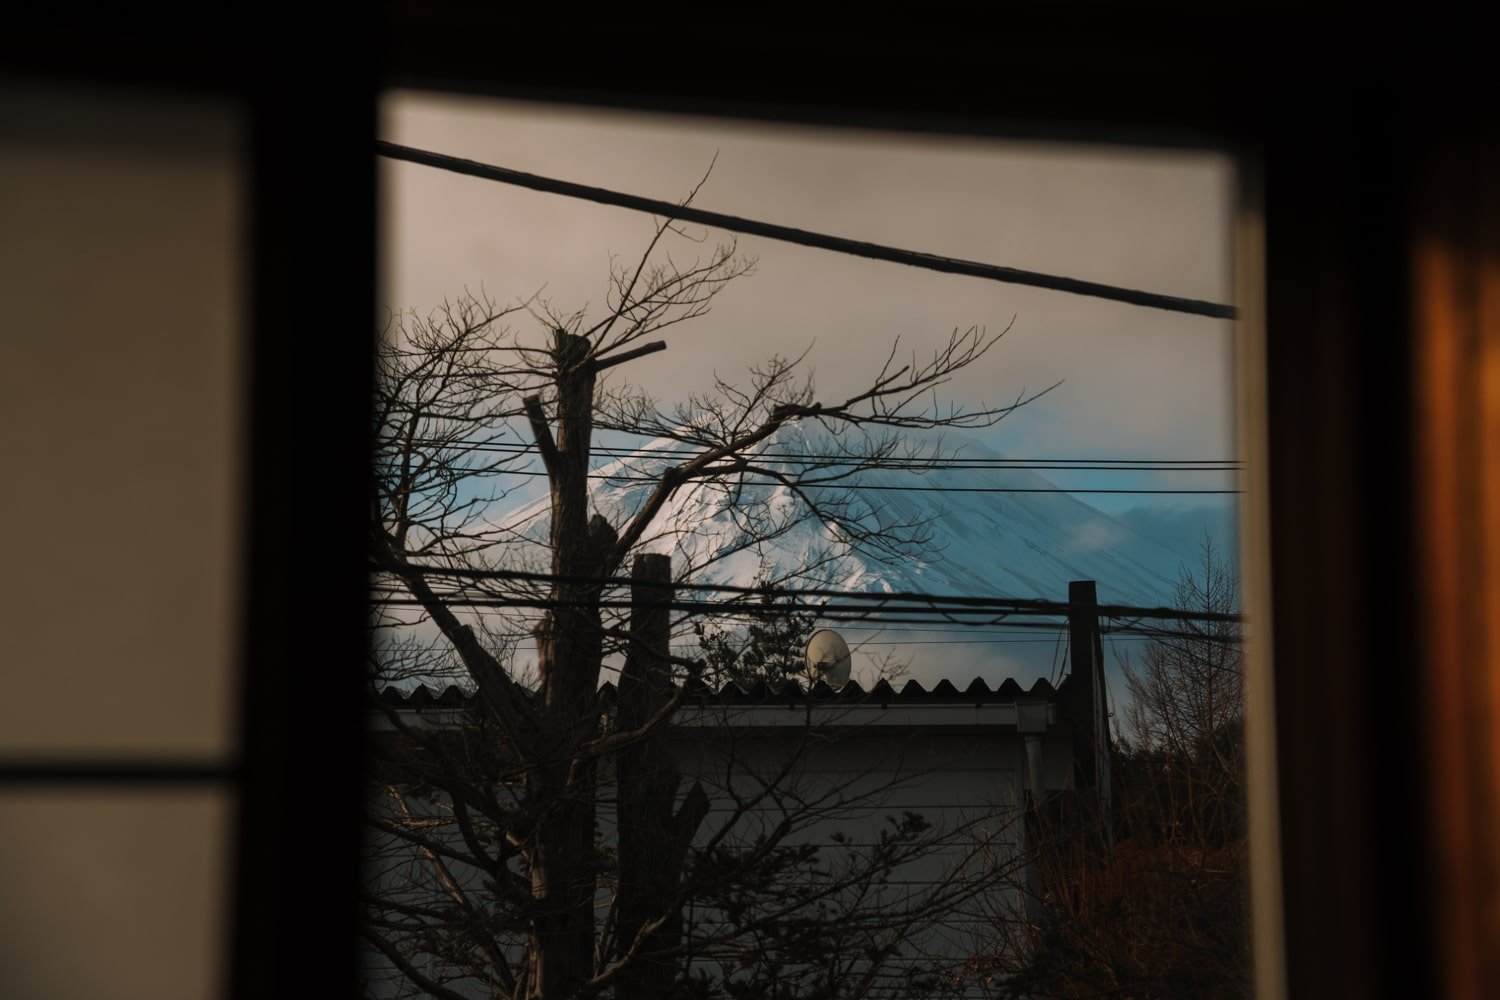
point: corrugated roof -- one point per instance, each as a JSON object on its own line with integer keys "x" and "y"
{"x": 944, "y": 692}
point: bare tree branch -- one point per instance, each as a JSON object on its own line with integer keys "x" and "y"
{"x": 495, "y": 814}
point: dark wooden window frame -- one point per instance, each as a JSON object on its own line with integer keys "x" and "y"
{"x": 1334, "y": 108}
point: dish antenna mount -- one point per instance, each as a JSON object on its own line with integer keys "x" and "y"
{"x": 828, "y": 658}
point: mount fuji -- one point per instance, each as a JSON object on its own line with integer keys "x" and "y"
{"x": 983, "y": 530}
{"x": 987, "y": 531}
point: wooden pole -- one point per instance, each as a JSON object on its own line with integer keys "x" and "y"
{"x": 1087, "y": 710}
{"x": 650, "y": 851}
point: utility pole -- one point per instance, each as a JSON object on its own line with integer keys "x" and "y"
{"x": 1087, "y": 711}
{"x": 653, "y": 839}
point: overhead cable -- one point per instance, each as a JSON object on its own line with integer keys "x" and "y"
{"x": 797, "y": 598}
{"x": 803, "y": 237}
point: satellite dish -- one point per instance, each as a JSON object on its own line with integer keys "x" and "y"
{"x": 828, "y": 658}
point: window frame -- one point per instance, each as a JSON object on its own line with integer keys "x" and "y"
{"x": 1332, "y": 147}
{"x": 1342, "y": 846}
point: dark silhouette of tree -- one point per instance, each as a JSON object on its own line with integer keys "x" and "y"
{"x": 770, "y": 646}
{"x": 1185, "y": 716}
{"x": 491, "y": 866}
{"x": 1167, "y": 913}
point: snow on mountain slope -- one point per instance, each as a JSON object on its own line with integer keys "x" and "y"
{"x": 977, "y": 542}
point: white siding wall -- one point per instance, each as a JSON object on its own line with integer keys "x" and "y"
{"x": 966, "y": 781}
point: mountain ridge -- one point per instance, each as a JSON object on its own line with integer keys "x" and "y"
{"x": 979, "y": 540}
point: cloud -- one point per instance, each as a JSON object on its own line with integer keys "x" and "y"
{"x": 1183, "y": 528}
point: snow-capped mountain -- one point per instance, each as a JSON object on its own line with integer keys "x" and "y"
{"x": 962, "y": 536}
{"x": 971, "y": 539}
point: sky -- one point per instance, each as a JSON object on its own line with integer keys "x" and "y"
{"x": 1137, "y": 383}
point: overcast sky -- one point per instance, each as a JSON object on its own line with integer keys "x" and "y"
{"x": 1137, "y": 383}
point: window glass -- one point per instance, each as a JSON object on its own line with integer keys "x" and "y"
{"x": 831, "y": 427}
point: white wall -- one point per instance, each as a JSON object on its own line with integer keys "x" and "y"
{"x": 966, "y": 781}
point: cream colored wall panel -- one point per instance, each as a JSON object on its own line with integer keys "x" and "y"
{"x": 121, "y": 232}
{"x": 117, "y": 894}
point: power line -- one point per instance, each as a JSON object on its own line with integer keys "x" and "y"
{"x": 827, "y": 612}
{"x": 455, "y": 598}
{"x": 849, "y": 614}
{"x": 883, "y": 487}
{"x": 994, "y": 489}
{"x": 891, "y": 461}
{"x": 1009, "y": 633}
{"x": 916, "y": 467}
{"x": 803, "y": 237}
{"x": 923, "y": 467}
{"x": 797, "y": 599}
{"x": 853, "y": 644}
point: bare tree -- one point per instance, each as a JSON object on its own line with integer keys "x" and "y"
{"x": 769, "y": 647}
{"x": 1185, "y": 712}
{"x": 503, "y": 811}
{"x": 1167, "y": 914}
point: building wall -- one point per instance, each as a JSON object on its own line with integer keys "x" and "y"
{"x": 793, "y": 785}
{"x": 941, "y": 905}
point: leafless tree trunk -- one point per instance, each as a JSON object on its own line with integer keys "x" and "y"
{"x": 510, "y": 842}
{"x": 570, "y": 649}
